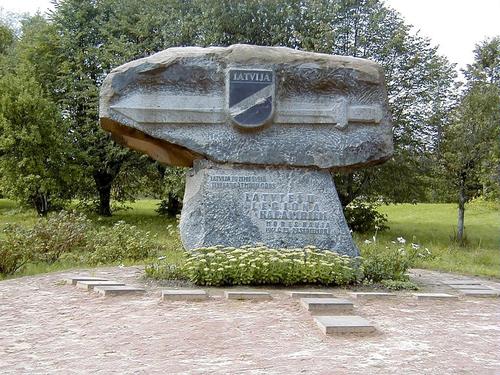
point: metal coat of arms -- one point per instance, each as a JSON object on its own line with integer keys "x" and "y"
{"x": 250, "y": 97}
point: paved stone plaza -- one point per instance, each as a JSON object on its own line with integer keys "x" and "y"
{"x": 51, "y": 327}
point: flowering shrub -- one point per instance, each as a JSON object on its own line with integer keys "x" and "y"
{"x": 389, "y": 262}
{"x": 261, "y": 265}
{"x": 120, "y": 242}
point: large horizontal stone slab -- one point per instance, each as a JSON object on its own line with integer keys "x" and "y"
{"x": 247, "y": 295}
{"x": 89, "y": 285}
{"x": 470, "y": 287}
{"x": 312, "y": 294}
{"x": 327, "y": 306}
{"x": 372, "y": 295}
{"x": 461, "y": 282}
{"x": 434, "y": 296}
{"x": 184, "y": 295}
{"x": 480, "y": 293}
{"x": 118, "y": 290}
{"x": 184, "y": 104}
{"x": 75, "y": 279}
{"x": 331, "y": 325}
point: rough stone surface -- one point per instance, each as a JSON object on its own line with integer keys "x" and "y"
{"x": 244, "y": 295}
{"x": 241, "y": 205}
{"x": 298, "y": 294}
{"x": 372, "y": 295}
{"x": 434, "y": 296}
{"x": 184, "y": 295}
{"x": 327, "y": 306}
{"x": 325, "y": 111}
{"x": 331, "y": 325}
{"x": 480, "y": 293}
{"x": 118, "y": 290}
{"x": 74, "y": 279}
{"x": 89, "y": 285}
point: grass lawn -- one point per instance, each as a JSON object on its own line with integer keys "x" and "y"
{"x": 434, "y": 226}
{"x": 430, "y": 225}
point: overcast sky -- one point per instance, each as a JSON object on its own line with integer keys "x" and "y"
{"x": 454, "y": 25}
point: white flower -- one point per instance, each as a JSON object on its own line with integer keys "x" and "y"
{"x": 401, "y": 240}
{"x": 415, "y": 246}
{"x": 161, "y": 258}
{"x": 368, "y": 242}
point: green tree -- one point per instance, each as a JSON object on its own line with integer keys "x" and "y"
{"x": 32, "y": 149}
{"x": 93, "y": 37}
{"x": 468, "y": 142}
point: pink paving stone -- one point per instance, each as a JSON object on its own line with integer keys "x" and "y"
{"x": 52, "y": 329}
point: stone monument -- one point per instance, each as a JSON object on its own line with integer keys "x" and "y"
{"x": 261, "y": 129}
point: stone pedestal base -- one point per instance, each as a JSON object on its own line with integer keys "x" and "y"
{"x": 235, "y": 205}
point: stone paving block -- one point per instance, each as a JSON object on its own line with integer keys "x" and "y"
{"x": 89, "y": 285}
{"x": 372, "y": 295}
{"x": 322, "y": 306}
{"x": 470, "y": 287}
{"x": 118, "y": 290}
{"x": 244, "y": 295}
{"x": 462, "y": 282}
{"x": 331, "y": 325}
{"x": 74, "y": 279}
{"x": 480, "y": 293}
{"x": 310, "y": 294}
{"x": 184, "y": 295}
{"x": 434, "y": 296}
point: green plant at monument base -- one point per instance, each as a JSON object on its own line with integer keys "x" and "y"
{"x": 262, "y": 265}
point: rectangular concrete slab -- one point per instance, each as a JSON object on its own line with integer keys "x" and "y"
{"x": 118, "y": 290}
{"x": 322, "y": 306}
{"x": 74, "y": 279}
{"x": 470, "y": 287}
{"x": 480, "y": 293}
{"x": 310, "y": 294}
{"x": 331, "y": 325}
{"x": 89, "y": 285}
{"x": 372, "y": 295}
{"x": 434, "y": 296}
{"x": 247, "y": 295}
{"x": 462, "y": 282}
{"x": 184, "y": 295}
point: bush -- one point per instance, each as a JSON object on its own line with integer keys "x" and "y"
{"x": 60, "y": 233}
{"x": 390, "y": 262}
{"x": 119, "y": 243}
{"x": 261, "y": 265}
{"x": 363, "y": 217}
{"x": 46, "y": 241}
{"x": 14, "y": 249}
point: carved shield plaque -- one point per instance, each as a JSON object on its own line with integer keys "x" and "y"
{"x": 250, "y": 97}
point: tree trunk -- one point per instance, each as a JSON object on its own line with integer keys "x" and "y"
{"x": 103, "y": 181}
{"x": 461, "y": 211}
{"x": 41, "y": 202}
